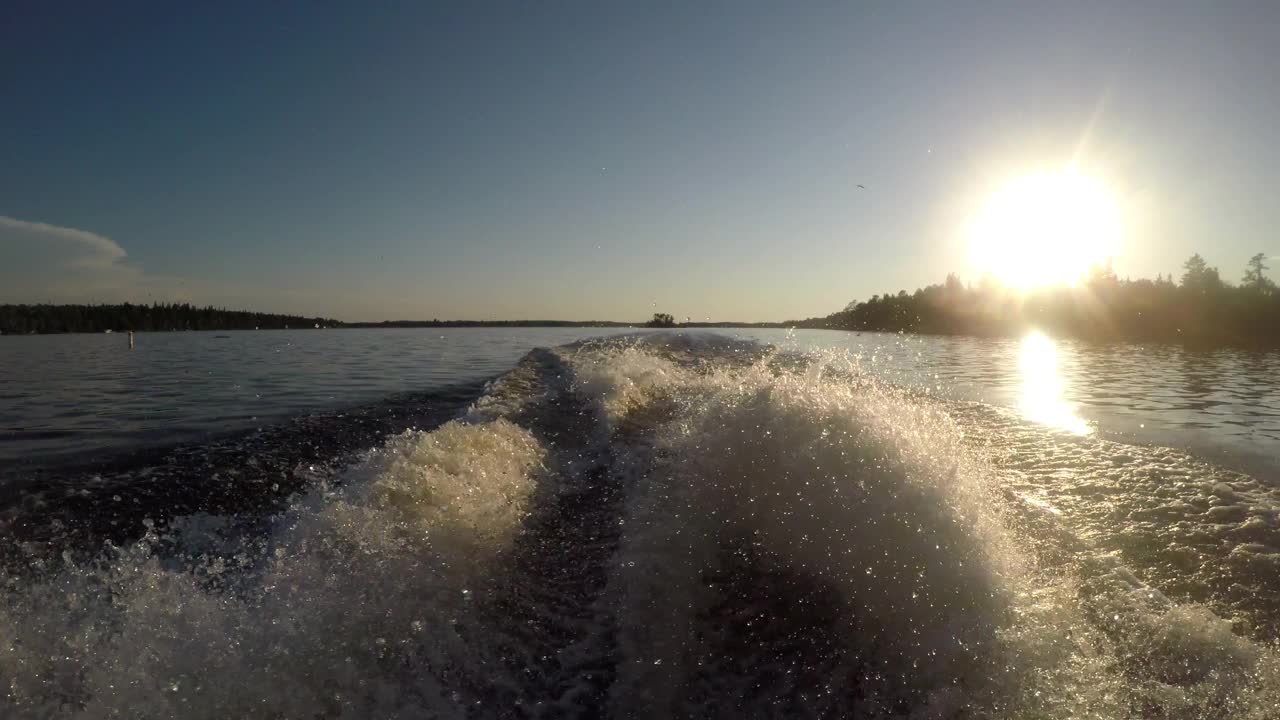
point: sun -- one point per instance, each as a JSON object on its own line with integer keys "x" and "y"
{"x": 1045, "y": 229}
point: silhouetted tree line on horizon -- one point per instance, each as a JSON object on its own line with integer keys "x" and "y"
{"x": 1200, "y": 308}
{"x": 44, "y": 319}
{"x": 53, "y": 319}
{"x": 437, "y": 323}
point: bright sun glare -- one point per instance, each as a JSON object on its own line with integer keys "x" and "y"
{"x": 1043, "y": 386}
{"x": 1045, "y": 229}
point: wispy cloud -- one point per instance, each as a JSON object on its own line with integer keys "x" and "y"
{"x": 42, "y": 262}
{"x": 104, "y": 250}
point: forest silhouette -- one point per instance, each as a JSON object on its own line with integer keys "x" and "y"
{"x": 1199, "y": 308}
{"x": 46, "y": 319}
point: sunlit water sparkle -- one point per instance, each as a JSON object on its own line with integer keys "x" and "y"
{"x": 672, "y": 525}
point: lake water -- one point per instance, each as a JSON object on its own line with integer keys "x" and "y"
{"x": 66, "y": 394}
{"x": 479, "y": 523}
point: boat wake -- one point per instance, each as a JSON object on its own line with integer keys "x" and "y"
{"x": 670, "y": 526}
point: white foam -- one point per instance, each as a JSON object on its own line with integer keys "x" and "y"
{"x": 859, "y": 489}
{"x": 866, "y": 522}
{"x": 359, "y": 603}
{"x": 855, "y": 488}
{"x": 623, "y": 380}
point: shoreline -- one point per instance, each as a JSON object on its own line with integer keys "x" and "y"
{"x": 1188, "y": 342}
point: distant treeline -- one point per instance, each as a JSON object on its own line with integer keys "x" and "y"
{"x": 486, "y": 323}
{"x": 44, "y": 319}
{"x": 41, "y": 319}
{"x": 1200, "y": 308}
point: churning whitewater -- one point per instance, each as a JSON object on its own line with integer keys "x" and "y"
{"x": 680, "y": 526}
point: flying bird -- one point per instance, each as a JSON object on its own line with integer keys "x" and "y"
{"x": 863, "y": 187}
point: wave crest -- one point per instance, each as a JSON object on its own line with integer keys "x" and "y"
{"x": 673, "y": 525}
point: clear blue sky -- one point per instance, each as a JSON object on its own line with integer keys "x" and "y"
{"x": 602, "y": 159}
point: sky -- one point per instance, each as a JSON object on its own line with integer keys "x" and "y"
{"x": 607, "y": 160}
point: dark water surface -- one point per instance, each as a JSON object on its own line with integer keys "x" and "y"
{"x": 62, "y": 394}
{"x": 478, "y": 523}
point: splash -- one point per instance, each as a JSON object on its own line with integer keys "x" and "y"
{"x": 858, "y": 494}
{"x": 666, "y": 526}
{"x": 355, "y": 586}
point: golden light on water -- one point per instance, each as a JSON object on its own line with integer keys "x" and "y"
{"x": 1043, "y": 390}
{"x": 1045, "y": 229}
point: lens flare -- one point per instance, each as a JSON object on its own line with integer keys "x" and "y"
{"x": 1045, "y": 229}
{"x": 1043, "y": 391}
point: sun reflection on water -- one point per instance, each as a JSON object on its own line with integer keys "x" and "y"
{"x": 1043, "y": 396}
